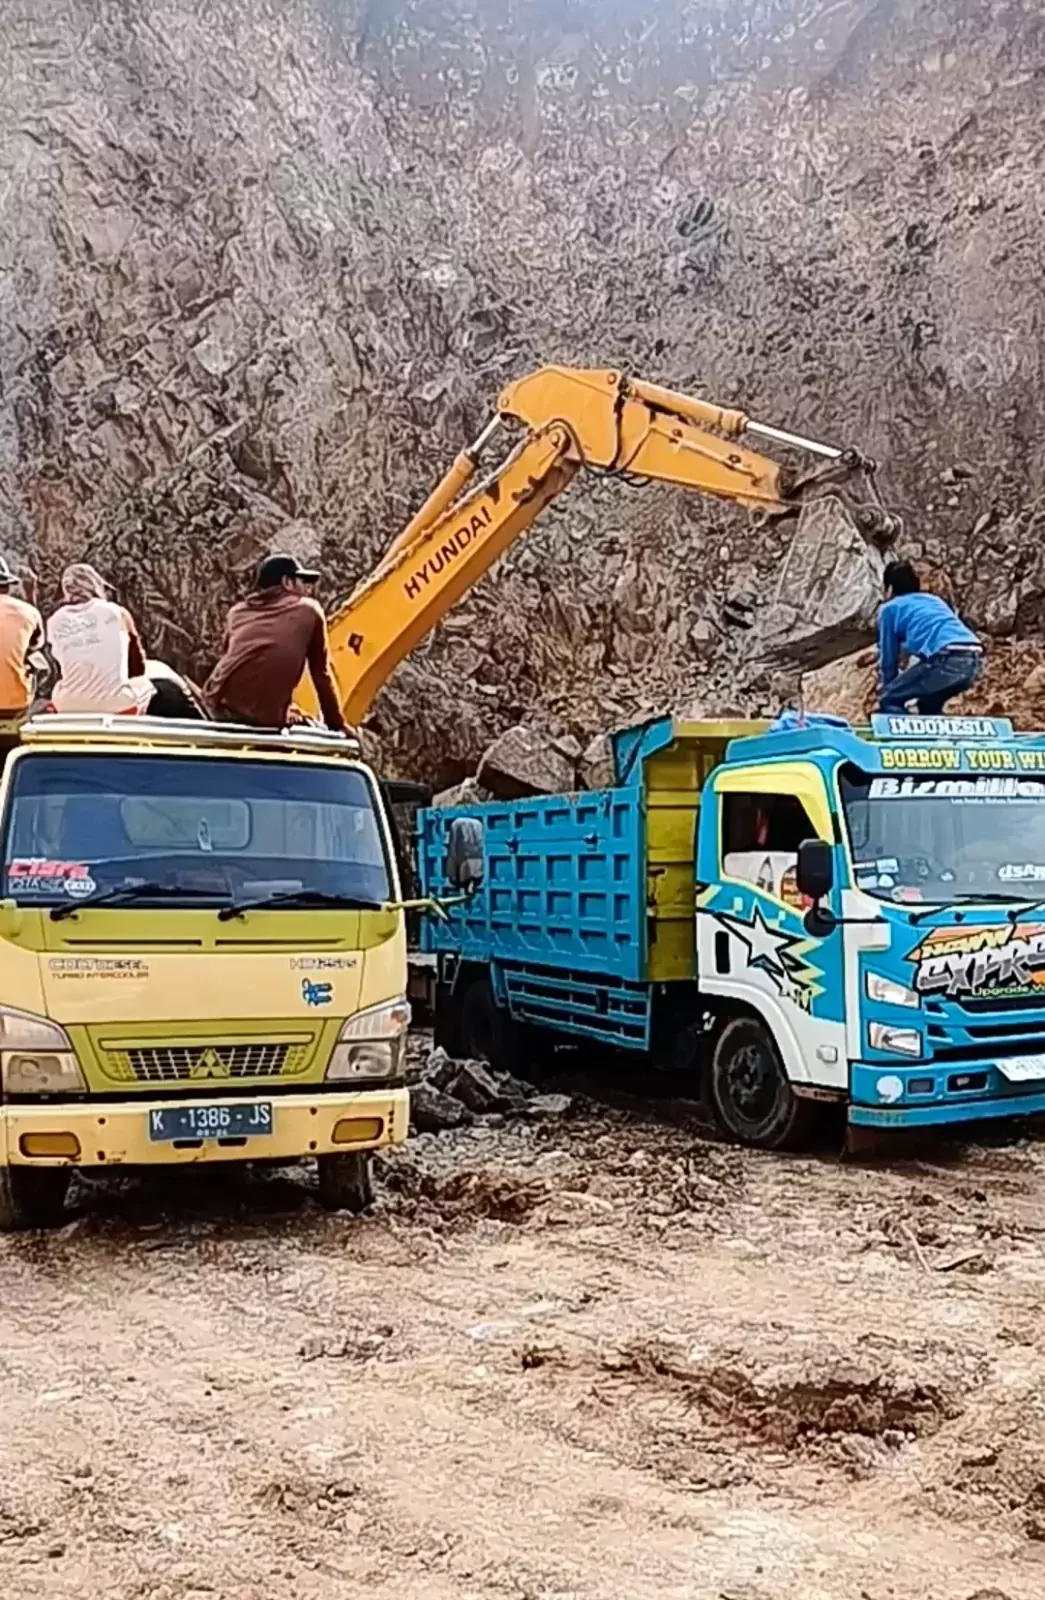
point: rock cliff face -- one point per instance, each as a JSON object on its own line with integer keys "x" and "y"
{"x": 264, "y": 266}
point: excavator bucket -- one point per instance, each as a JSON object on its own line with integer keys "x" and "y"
{"x": 828, "y": 589}
{"x": 830, "y": 583}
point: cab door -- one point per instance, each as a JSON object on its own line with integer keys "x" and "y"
{"x": 752, "y": 945}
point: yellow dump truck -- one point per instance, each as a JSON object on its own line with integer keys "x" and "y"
{"x": 202, "y": 957}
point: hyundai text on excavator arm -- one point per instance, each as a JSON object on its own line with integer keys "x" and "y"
{"x": 571, "y": 418}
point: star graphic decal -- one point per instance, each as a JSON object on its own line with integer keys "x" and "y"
{"x": 771, "y": 950}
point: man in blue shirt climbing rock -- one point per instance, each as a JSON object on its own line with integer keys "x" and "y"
{"x": 944, "y": 656}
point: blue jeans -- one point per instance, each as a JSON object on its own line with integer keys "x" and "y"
{"x": 932, "y": 683}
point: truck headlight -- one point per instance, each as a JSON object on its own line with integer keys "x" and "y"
{"x": 36, "y": 1056}
{"x": 900, "y": 1041}
{"x": 888, "y": 991}
{"x": 372, "y": 1044}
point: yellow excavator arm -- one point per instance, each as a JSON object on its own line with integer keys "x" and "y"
{"x": 570, "y": 418}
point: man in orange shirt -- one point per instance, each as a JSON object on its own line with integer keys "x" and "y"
{"x": 21, "y": 628}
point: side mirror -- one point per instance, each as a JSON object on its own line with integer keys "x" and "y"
{"x": 815, "y": 875}
{"x": 11, "y": 919}
{"x": 464, "y": 853}
{"x": 815, "y": 878}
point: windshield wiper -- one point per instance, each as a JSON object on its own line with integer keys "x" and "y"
{"x": 297, "y": 897}
{"x": 123, "y": 893}
{"x": 1021, "y": 911}
{"x": 988, "y": 898}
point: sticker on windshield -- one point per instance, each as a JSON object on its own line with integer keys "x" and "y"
{"x": 36, "y": 875}
{"x": 790, "y": 892}
{"x": 79, "y": 888}
{"x": 966, "y": 789}
{"x": 1029, "y": 872}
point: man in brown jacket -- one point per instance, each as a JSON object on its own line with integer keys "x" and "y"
{"x": 269, "y": 639}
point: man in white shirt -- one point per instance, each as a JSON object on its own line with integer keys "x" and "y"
{"x": 96, "y": 648}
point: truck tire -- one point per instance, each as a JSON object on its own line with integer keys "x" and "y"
{"x": 747, "y": 1089}
{"x": 489, "y": 1034}
{"x": 346, "y": 1181}
{"x": 32, "y": 1197}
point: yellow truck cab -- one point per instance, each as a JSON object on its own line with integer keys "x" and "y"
{"x": 202, "y": 956}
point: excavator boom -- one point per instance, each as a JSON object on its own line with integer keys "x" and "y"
{"x": 570, "y": 418}
{"x": 413, "y": 589}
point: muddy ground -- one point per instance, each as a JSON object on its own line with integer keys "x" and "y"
{"x": 590, "y": 1358}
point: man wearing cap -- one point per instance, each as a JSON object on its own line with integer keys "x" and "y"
{"x": 21, "y": 629}
{"x": 270, "y": 638}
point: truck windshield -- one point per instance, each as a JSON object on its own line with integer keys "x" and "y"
{"x": 932, "y": 840}
{"x": 213, "y": 830}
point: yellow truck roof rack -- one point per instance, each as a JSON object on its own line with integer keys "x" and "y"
{"x": 70, "y": 728}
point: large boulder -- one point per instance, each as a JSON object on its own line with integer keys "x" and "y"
{"x": 432, "y": 1111}
{"x": 466, "y": 793}
{"x": 523, "y": 762}
{"x": 596, "y": 764}
{"x": 845, "y": 688}
{"x": 827, "y": 594}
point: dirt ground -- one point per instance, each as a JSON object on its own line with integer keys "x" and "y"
{"x": 598, "y": 1357}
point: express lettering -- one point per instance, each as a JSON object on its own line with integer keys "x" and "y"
{"x": 448, "y": 551}
{"x": 984, "y": 958}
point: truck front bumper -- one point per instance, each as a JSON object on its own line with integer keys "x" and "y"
{"x": 938, "y": 1095}
{"x": 107, "y": 1135}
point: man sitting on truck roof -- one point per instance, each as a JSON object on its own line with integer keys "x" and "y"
{"x": 945, "y": 657}
{"x": 269, "y": 640}
{"x": 96, "y": 648}
{"x": 21, "y": 629}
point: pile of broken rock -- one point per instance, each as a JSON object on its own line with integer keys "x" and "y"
{"x": 448, "y": 1094}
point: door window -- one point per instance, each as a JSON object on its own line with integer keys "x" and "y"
{"x": 760, "y": 837}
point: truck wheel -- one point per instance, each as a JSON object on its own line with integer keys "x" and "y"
{"x": 489, "y": 1034}
{"x": 32, "y": 1197}
{"x": 747, "y": 1089}
{"x": 346, "y": 1181}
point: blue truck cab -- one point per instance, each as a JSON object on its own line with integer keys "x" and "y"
{"x": 798, "y": 915}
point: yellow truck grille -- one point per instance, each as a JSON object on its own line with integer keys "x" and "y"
{"x": 205, "y": 1061}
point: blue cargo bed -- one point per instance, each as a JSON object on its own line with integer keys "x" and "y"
{"x": 564, "y": 885}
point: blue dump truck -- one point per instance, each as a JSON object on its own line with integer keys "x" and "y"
{"x": 818, "y": 914}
